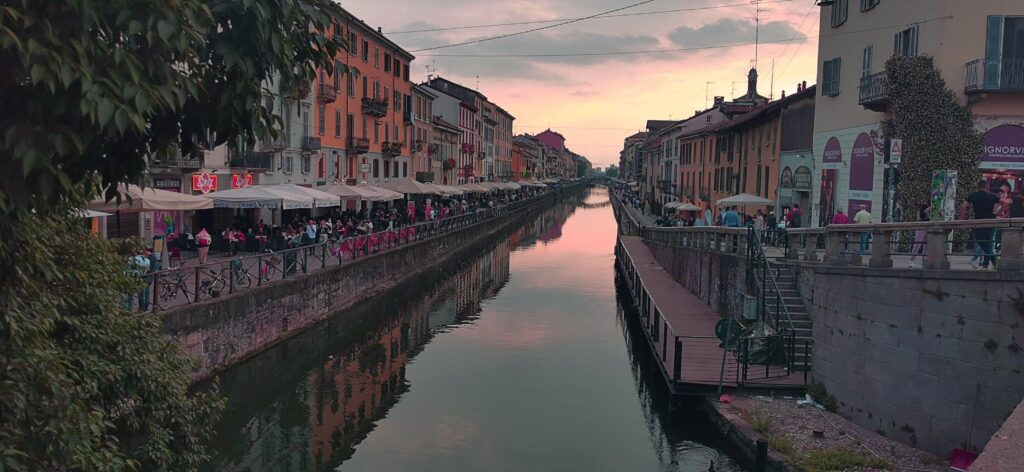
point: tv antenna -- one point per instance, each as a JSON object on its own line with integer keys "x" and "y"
{"x": 757, "y": 28}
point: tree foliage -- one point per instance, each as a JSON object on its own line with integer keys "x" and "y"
{"x": 89, "y": 89}
{"x": 937, "y": 131}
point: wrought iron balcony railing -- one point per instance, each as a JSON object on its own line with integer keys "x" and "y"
{"x": 375, "y": 106}
{"x": 310, "y": 143}
{"x": 251, "y": 159}
{"x": 984, "y": 75}
{"x": 359, "y": 145}
{"x": 874, "y": 94}
{"x": 326, "y": 93}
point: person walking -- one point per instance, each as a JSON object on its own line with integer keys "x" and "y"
{"x": 795, "y": 217}
{"x": 984, "y": 204}
{"x": 920, "y": 235}
{"x": 840, "y": 218}
{"x": 863, "y": 217}
{"x": 731, "y": 219}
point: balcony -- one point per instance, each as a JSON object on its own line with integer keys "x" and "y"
{"x": 251, "y": 159}
{"x": 375, "y": 107}
{"x": 177, "y": 159}
{"x": 326, "y": 93}
{"x": 310, "y": 143}
{"x": 391, "y": 148}
{"x": 274, "y": 144}
{"x": 984, "y": 76}
{"x": 359, "y": 145}
{"x": 467, "y": 148}
{"x": 296, "y": 92}
{"x": 425, "y": 176}
{"x": 874, "y": 93}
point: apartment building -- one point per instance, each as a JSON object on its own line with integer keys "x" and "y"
{"x": 425, "y": 166}
{"x": 979, "y": 49}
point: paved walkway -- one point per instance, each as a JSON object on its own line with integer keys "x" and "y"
{"x": 687, "y": 317}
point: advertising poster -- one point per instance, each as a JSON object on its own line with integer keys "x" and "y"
{"x": 862, "y": 173}
{"x": 943, "y": 198}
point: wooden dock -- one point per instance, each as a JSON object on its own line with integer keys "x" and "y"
{"x": 680, "y": 329}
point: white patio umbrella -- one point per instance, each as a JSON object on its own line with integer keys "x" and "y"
{"x": 320, "y": 199}
{"x": 411, "y": 186}
{"x": 512, "y": 186}
{"x": 689, "y": 207}
{"x": 345, "y": 192}
{"x": 451, "y": 190}
{"x": 473, "y": 188}
{"x": 745, "y": 199}
{"x": 379, "y": 194}
{"x": 137, "y": 199}
{"x": 259, "y": 196}
{"x": 673, "y": 205}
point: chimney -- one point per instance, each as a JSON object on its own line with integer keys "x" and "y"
{"x": 719, "y": 100}
{"x": 379, "y": 30}
{"x": 784, "y": 94}
{"x": 804, "y": 85}
{"x": 752, "y": 83}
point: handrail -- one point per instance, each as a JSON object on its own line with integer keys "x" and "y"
{"x": 760, "y": 258}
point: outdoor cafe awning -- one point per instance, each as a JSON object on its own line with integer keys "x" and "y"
{"x": 259, "y": 196}
{"x": 135, "y": 198}
{"x": 361, "y": 192}
{"x": 473, "y": 188}
{"x": 411, "y": 186}
{"x": 320, "y": 199}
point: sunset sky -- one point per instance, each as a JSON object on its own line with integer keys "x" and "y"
{"x": 597, "y": 100}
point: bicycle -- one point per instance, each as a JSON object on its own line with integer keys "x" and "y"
{"x": 272, "y": 267}
{"x": 173, "y": 284}
{"x": 234, "y": 276}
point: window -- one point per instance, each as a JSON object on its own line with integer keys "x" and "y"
{"x": 366, "y": 51}
{"x": 350, "y": 126}
{"x": 321, "y": 124}
{"x": 286, "y": 164}
{"x": 839, "y": 9}
{"x": 376, "y": 89}
{"x": 337, "y": 123}
{"x": 366, "y": 132}
{"x": 387, "y": 169}
{"x": 398, "y": 68}
{"x": 1004, "y": 52}
{"x": 338, "y": 75}
{"x": 905, "y": 42}
{"x": 350, "y": 82}
{"x": 376, "y": 57}
{"x": 405, "y": 71}
{"x": 364, "y": 87}
{"x": 396, "y": 170}
{"x": 353, "y": 44}
{"x": 387, "y": 93}
{"x": 305, "y": 164}
{"x": 387, "y": 62}
{"x": 865, "y": 69}
{"x": 376, "y": 132}
{"x": 405, "y": 169}
{"x": 866, "y": 5}
{"x": 376, "y": 168}
{"x": 830, "y": 73}
{"x": 387, "y": 134}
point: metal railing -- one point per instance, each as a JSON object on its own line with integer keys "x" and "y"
{"x": 251, "y": 159}
{"x": 988, "y": 75}
{"x": 375, "y": 106}
{"x": 310, "y": 143}
{"x": 187, "y": 285}
{"x": 761, "y": 277}
{"x": 873, "y": 89}
{"x": 938, "y": 244}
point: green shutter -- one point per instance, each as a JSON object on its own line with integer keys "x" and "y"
{"x": 826, "y": 79}
{"x": 993, "y": 51}
{"x": 836, "y": 74}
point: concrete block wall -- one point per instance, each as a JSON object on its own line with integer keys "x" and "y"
{"x": 920, "y": 356}
{"x": 222, "y": 332}
{"x": 718, "y": 279}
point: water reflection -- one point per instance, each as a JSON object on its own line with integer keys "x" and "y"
{"x": 518, "y": 360}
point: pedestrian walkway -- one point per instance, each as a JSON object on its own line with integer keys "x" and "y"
{"x": 678, "y": 319}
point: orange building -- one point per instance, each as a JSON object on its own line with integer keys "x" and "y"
{"x": 361, "y": 118}
{"x": 518, "y": 168}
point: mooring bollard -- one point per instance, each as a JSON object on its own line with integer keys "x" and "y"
{"x": 761, "y": 461}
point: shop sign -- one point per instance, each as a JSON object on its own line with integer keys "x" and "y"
{"x": 802, "y": 178}
{"x": 862, "y": 168}
{"x": 787, "y": 178}
{"x": 832, "y": 158}
{"x": 204, "y": 182}
{"x": 1004, "y": 148}
{"x": 167, "y": 183}
{"x": 241, "y": 180}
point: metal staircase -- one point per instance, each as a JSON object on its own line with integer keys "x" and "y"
{"x": 779, "y": 301}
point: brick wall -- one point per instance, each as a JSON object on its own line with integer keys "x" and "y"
{"x": 920, "y": 356}
{"x": 225, "y": 331}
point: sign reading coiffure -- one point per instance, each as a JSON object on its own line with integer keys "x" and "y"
{"x": 1004, "y": 148}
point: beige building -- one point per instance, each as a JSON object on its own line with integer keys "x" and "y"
{"x": 979, "y": 47}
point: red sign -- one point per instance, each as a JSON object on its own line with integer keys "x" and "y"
{"x": 241, "y": 180}
{"x": 205, "y": 182}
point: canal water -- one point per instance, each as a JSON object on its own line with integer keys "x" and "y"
{"x": 518, "y": 359}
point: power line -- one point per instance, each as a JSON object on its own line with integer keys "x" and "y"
{"x": 557, "y": 20}
{"x": 492, "y": 38}
{"x": 695, "y": 48}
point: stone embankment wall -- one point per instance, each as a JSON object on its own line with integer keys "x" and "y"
{"x": 718, "y": 279}
{"x": 919, "y": 355}
{"x": 222, "y": 332}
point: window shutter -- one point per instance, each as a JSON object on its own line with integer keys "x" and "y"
{"x": 826, "y": 79}
{"x": 912, "y": 51}
{"x": 896, "y": 43}
{"x": 993, "y": 50}
{"x": 836, "y": 72}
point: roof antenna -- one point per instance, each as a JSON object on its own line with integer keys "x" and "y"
{"x": 757, "y": 28}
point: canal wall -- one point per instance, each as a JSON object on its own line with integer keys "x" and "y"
{"x": 921, "y": 355}
{"x": 719, "y": 280}
{"x": 222, "y": 332}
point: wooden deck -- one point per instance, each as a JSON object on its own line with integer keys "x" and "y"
{"x": 680, "y": 329}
